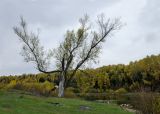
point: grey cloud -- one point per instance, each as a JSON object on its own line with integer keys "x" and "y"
{"x": 50, "y": 12}
{"x": 150, "y": 21}
{"x": 150, "y": 14}
{"x": 136, "y": 40}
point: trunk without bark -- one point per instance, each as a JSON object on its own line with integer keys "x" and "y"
{"x": 61, "y": 85}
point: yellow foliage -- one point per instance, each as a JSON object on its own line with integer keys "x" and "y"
{"x": 69, "y": 92}
{"x": 121, "y": 91}
{"x": 11, "y": 85}
{"x": 39, "y": 88}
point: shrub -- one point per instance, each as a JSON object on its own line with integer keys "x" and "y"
{"x": 36, "y": 88}
{"x": 93, "y": 90}
{"x": 121, "y": 91}
{"x": 69, "y": 92}
{"x": 110, "y": 91}
{"x": 91, "y": 96}
{"x": 156, "y": 105}
{"x": 94, "y": 94}
{"x": 11, "y": 85}
{"x": 144, "y": 103}
{"x": 19, "y": 86}
{"x": 2, "y": 85}
{"x": 126, "y": 98}
{"x": 147, "y": 103}
{"x": 110, "y": 94}
{"x": 135, "y": 86}
{"x": 47, "y": 87}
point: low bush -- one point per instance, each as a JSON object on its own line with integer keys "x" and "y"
{"x": 69, "y": 92}
{"x": 36, "y": 88}
{"x": 156, "y": 105}
{"x": 135, "y": 86}
{"x": 126, "y": 98}
{"x": 11, "y": 85}
{"x": 2, "y": 85}
{"x": 39, "y": 88}
{"x": 121, "y": 91}
{"x": 147, "y": 103}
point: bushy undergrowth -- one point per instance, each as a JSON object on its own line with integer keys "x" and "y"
{"x": 121, "y": 91}
{"x": 70, "y": 92}
{"x": 145, "y": 103}
{"x": 46, "y": 88}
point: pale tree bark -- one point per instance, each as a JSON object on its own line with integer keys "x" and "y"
{"x": 61, "y": 85}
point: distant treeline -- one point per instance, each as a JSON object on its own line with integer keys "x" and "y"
{"x": 142, "y": 75}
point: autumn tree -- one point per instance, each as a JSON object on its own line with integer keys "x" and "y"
{"x": 79, "y": 47}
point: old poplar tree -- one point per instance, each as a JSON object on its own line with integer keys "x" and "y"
{"x": 79, "y": 47}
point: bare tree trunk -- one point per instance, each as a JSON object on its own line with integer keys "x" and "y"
{"x": 61, "y": 85}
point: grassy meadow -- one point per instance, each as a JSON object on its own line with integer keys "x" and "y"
{"x": 24, "y": 103}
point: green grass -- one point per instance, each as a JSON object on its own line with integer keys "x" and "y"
{"x": 18, "y": 103}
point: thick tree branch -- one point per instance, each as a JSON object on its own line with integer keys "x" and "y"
{"x": 106, "y": 30}
{"x": 30, "y": 42}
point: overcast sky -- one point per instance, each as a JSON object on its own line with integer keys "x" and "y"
{"x": 139, "y": 38}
